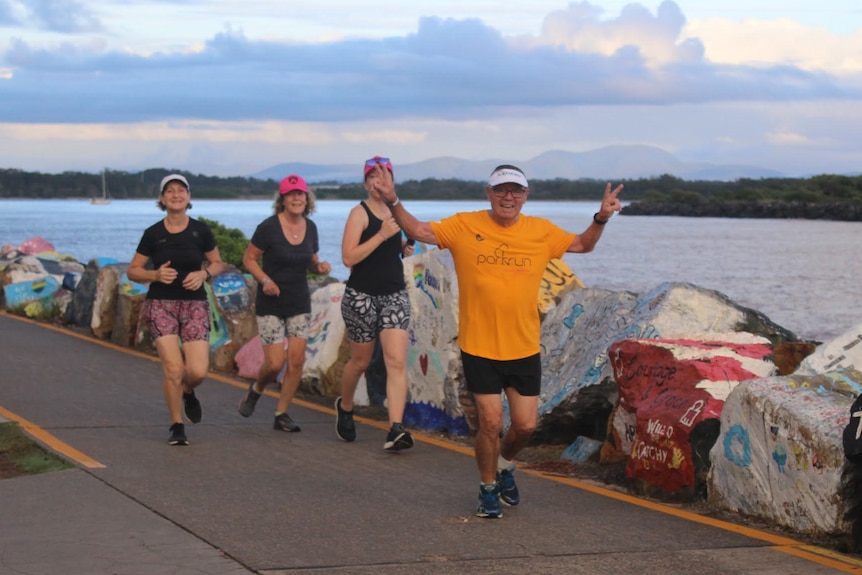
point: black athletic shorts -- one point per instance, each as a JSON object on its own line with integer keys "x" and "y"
{"x": 489, "y": 376}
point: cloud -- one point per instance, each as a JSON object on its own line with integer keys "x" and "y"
{"x": 7, "y": 14}
{"x": 765, "y": 42}
{"x": 63, "y": 16}
{"x": 656, "y": 38}
{"x": 232, "y": 103}
{"x": 787, "y": 139}
{"x": 448, "y": 68}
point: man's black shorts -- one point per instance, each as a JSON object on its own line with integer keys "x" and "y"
{"x": 490, "y": 376}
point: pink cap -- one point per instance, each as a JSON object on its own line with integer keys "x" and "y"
{"x": 291, "y": 183}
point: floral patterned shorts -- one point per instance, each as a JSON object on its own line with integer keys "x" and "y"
{"x": 367, "y": 315}
{"x": 190, "y": 319}
{"x": 273, "y": 329}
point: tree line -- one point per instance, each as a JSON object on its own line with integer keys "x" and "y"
{"x": 661, "y": 190}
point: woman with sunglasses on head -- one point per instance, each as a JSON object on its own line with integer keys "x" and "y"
{"x": 286, "y": 244}
{"x": 176, "y": 309}
{"x": 375, "y": 305}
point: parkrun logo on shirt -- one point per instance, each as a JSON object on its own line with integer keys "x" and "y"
{"x": 500, "y": 258}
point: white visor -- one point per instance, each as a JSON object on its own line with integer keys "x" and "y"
{"x": 508, "y": 175}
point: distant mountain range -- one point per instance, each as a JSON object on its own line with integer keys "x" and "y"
{"x": 611, "y": 163}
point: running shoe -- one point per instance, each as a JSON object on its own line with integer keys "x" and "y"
{"x": 507, "y": 488}
{"x": 489, "y": 502}
{"x": 398, "y": 438}
{"x": 345, "y": 428}
{"x": 192, "y": 407}
{"x": 178, "y": 435}
{"x": 248, "y": 403}
{"x": 283, "y": 422}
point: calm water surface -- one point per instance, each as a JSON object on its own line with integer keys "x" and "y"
{"x": 805, "y": 275}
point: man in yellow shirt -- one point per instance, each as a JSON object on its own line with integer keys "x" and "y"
{"x": 500, "y": 257}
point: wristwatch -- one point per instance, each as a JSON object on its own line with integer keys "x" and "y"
{"x": 209, "y": 275}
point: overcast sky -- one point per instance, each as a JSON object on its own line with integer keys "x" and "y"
{"x": 232, "y": 87}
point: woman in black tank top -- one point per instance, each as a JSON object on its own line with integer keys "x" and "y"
{"x": 375, "y": 305}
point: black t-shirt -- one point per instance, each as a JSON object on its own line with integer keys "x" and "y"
{"x": 381, "y": 273}
{"x": 285, "y": 264}
{"x": 185, "y": 250}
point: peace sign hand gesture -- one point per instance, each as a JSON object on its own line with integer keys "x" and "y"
{"x": 610, "y": 203}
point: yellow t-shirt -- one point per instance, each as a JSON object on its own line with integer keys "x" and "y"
{"x": 499, "y": 271}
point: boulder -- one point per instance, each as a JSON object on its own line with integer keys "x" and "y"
{"x": 434, "y": 374}
{"x": 36, "y": 294}
{"x": 234, "y": 304}
{"x": 843, "y": 352}
{"x": 129, "y": 304}
{"x": 219, "y": 330}
{"x": 327, "y": 349}
{"x": 779, "y": 456}
{"x": 80, "y": 310}
{"x": 581, "y": 450}
{"x": 671, "y": 394}
{"x": 35, "y": 245}
{"x": 250, "y": 357}
{"x": 557, "y": 280}
{"x": 578, "y": 389}
{"x": 35, "y": 267}
{"x": 105, "y": 300}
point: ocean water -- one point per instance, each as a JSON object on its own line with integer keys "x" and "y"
{"x": 805, "y": 275}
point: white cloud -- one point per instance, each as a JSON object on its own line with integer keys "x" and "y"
{"x": 779, "y": 41}
{"x": 787, "y": 139}
{"x": 581, "y": 29}
{"x": 262, "y": 86}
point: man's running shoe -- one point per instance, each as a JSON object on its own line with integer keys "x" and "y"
{"x": 248, "y": 403}
{"x": 178, "y": 435}
{"x": 507, "y": 488}
{"x": 283, "y": 422}
{"x": 489, "y": 502}
{"x": 192, "y": 407}
{"x": 398, "y": 438}
{"x": 345, "y": 428}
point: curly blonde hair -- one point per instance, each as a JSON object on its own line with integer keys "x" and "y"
{"x": 278, "y": 206}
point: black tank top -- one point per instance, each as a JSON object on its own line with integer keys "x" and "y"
{"x": 382, "y": 272}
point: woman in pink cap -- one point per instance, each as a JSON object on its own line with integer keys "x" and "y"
{"x": 283, "y": 248}
{"x": 184, "y": 256}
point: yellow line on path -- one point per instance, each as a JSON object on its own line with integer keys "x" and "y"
{"x": 786, "y": 545}
{"x": 51, "y": 442}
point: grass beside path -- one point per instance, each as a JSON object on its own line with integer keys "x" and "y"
{"x": 20, "y": 455}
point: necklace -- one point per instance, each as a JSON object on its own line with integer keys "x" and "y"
{"x": 288, "y": 228}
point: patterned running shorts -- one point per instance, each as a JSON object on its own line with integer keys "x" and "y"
{"x": 189, "y": 319}
{"x": 273, "y": 329}
{"x": 367, "y": 315}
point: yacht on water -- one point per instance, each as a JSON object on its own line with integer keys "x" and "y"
{"x": 104, "y": 198}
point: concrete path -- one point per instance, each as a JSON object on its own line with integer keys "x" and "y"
{"x": 243, "y": 498}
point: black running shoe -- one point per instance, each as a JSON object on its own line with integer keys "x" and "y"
{"x": 398, "y": 438}
{"x": 178, "y": 435}
{"x": 248, "y": 403}
{"x": 192, "y": 407}
{"x": 345, "y": 428}
{"x": 283, "y": 422}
